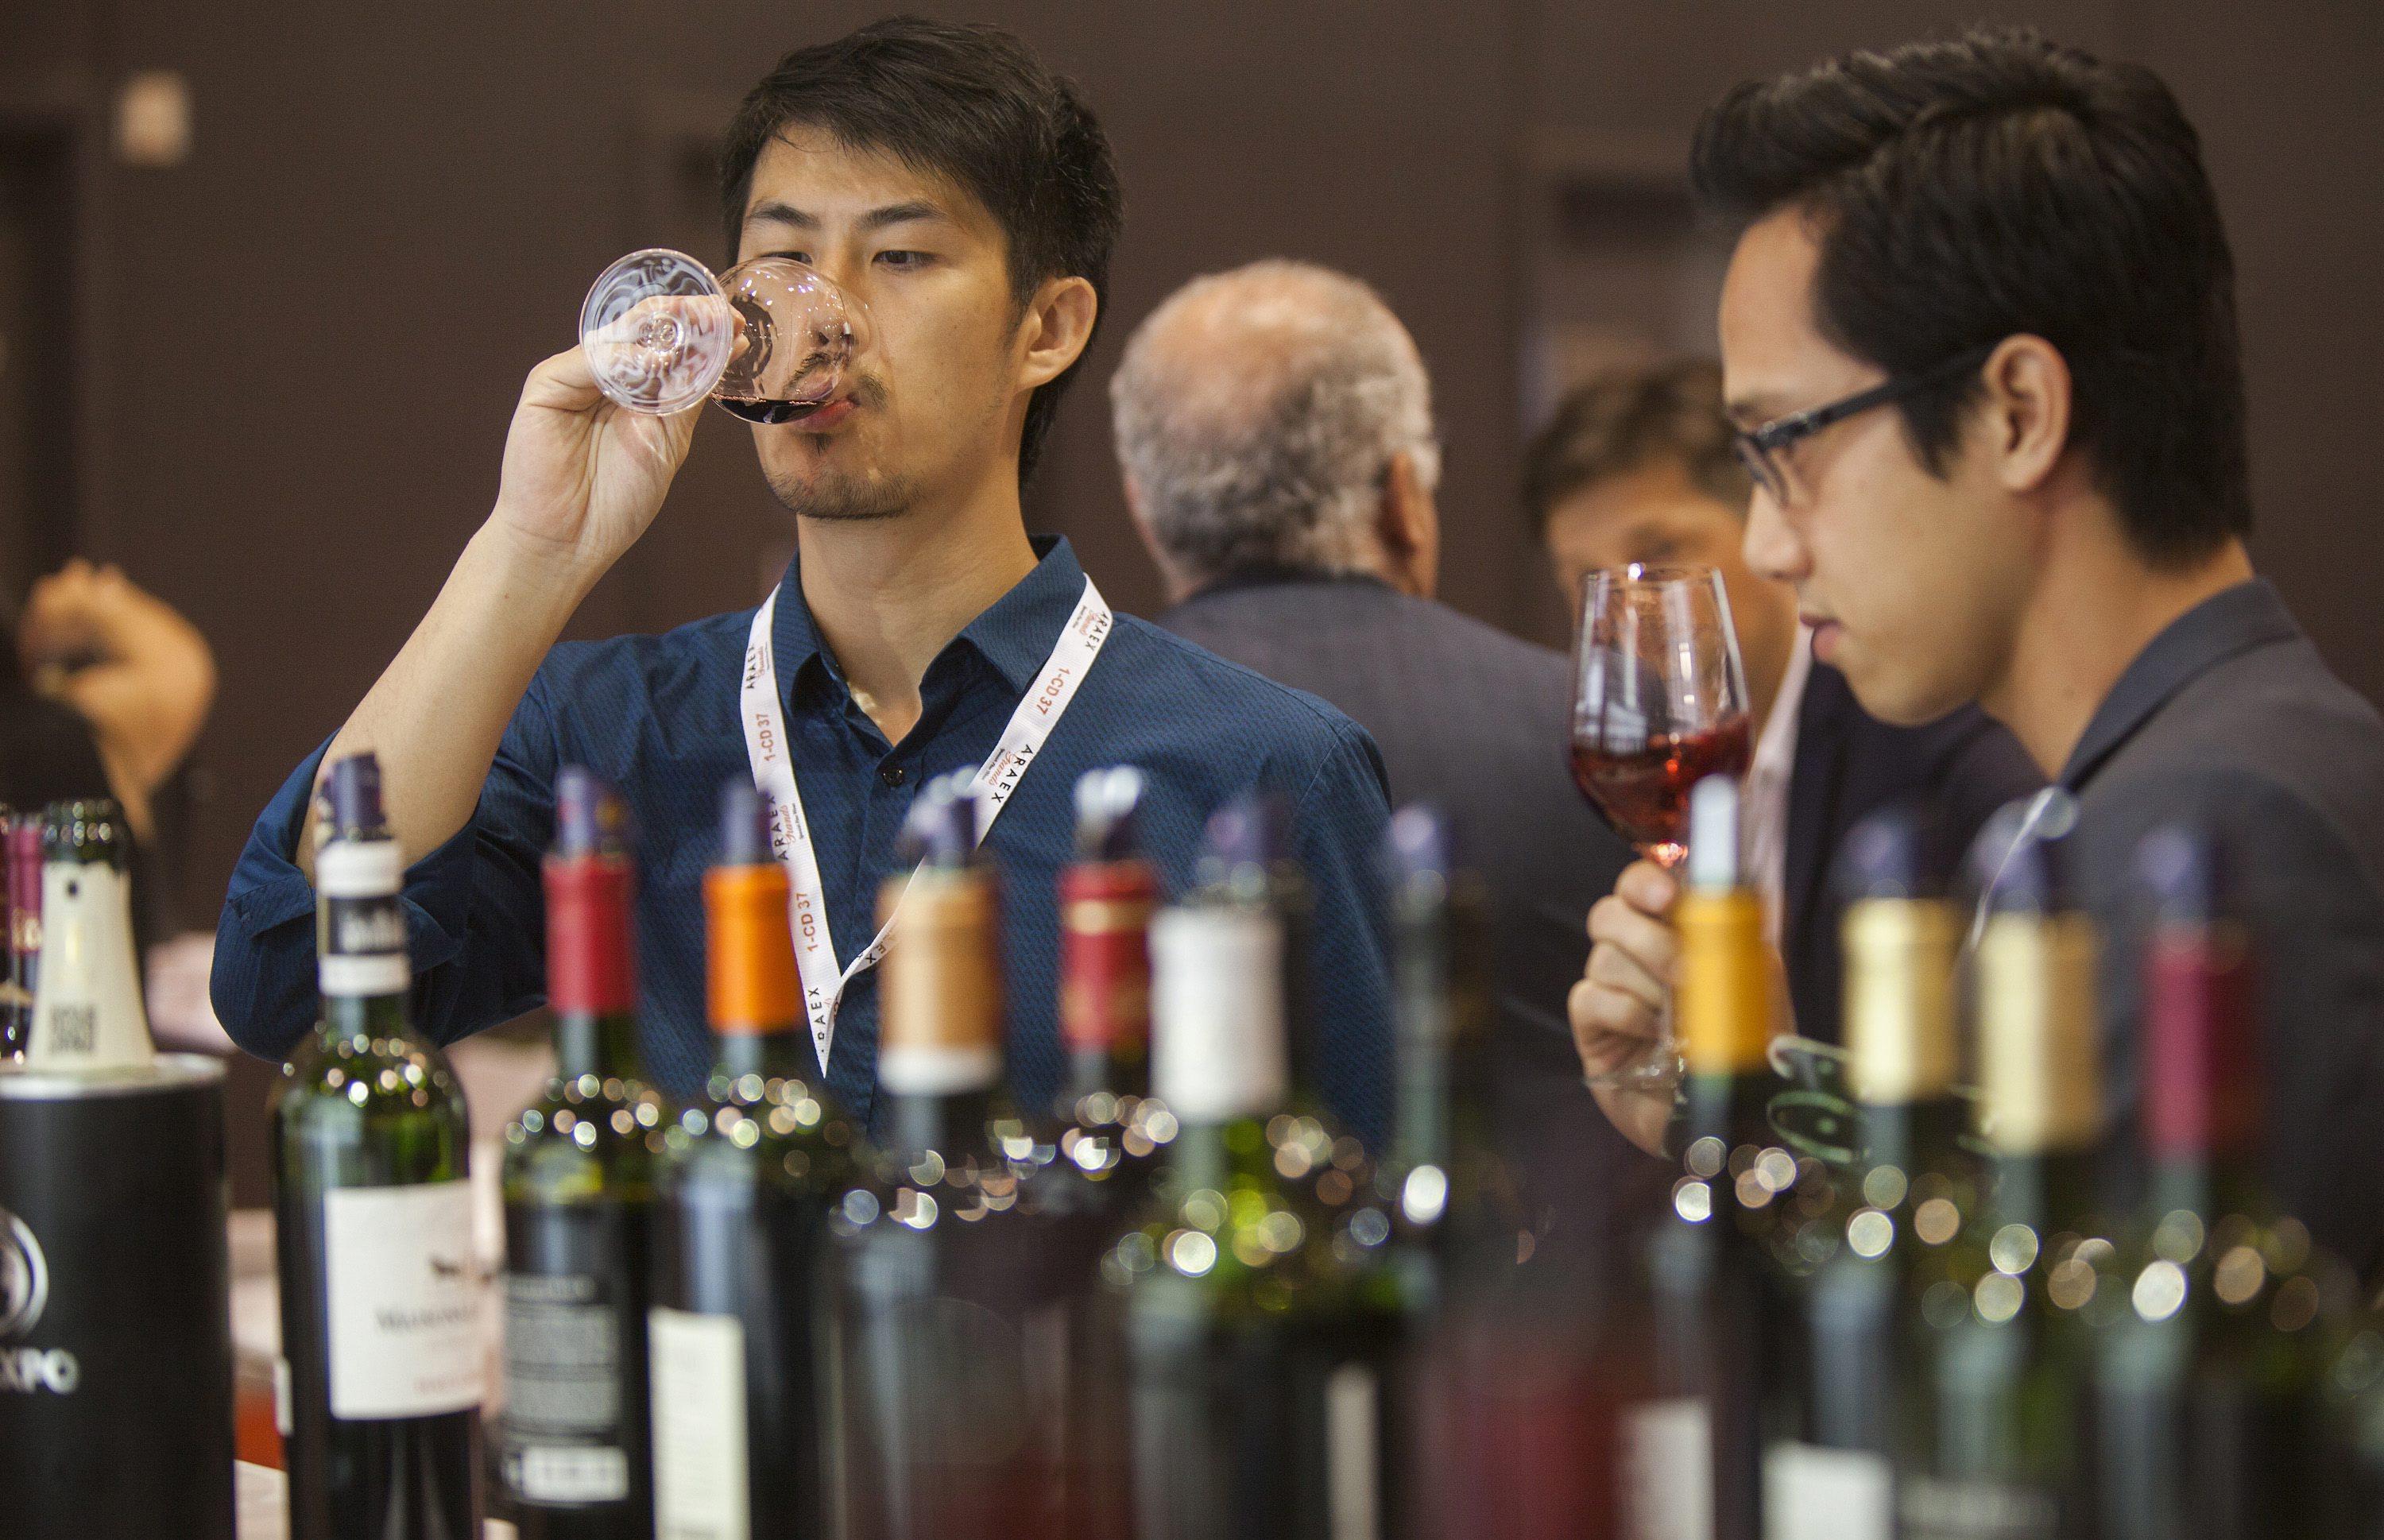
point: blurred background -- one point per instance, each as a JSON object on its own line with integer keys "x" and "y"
{"x": 270, "y": 275}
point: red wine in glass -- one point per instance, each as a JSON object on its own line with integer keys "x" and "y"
{"x": 1645, "y": 791}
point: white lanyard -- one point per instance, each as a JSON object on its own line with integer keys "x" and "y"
{"x": 790, "y": 835}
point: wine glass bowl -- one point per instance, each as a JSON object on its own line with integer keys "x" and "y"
{"x": 772, "y": 339}
{"x": 801, "y": 334}
{"x": 1660, "y": 700}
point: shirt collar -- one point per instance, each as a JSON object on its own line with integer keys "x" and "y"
{"x": 2232, "y": 621}
{"x": 1015, "y": 634}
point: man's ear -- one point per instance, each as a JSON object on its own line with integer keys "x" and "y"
{"x": 1058, "y": 324}
{"x": 1408, "y": 526}
{"x": 2028, "y": 409}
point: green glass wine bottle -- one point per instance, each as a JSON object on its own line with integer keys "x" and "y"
{"x": 1996, "y": 1436}
{"x": 1251, "y": 1413}
{"x": 2208, "y": 1409}
{"x": 1904, "y": 1195}
{"x": 747, "y": 1171}
{"x": 383, "y": 1344}
{"x": 1246, "y": 859}
{"x": 954, "y": 1294}
{"x": 1720, "y": 1318}
{"x": 1484, "y": 1388}
{"x": 1095, "y": 1155}
{"x": 573, "y": 1445}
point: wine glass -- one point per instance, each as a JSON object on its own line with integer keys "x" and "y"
{"x": 1659, "y": 703}
{"x": 772, "y": 339}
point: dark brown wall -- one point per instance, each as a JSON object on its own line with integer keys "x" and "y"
{"x": 303, "y": 343}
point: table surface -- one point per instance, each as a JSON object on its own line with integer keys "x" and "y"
{"x": 265, "y": 1506}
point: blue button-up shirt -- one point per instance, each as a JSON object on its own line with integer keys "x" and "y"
{"x": 658, "y": 717}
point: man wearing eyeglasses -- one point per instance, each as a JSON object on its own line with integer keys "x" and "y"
{"x": 1978, "y": 342}
{"x": 1639, "y": 466}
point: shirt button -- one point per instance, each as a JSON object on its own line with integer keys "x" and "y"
{"x": 892, "y": 774}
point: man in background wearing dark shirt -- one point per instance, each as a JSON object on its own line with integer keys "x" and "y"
{"x": 1638, "y": 468}
{"x": 1275, "y": 429}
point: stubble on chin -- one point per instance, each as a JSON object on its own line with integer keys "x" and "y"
{"x": 835, "y": 495}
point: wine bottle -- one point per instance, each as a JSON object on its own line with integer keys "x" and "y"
{"x": 747, "y": 1174}
{"x": 1101, "y": 1156}
{"x": 1488, "y": 1407}
{"x": 25, "y": 915}
{"x": 1905, "y": 1194}
{"x": 1459, "y": 1219}
{"x": 1251, "y": 1414}
{"x": 953, "y": 1296}
{"x": 1246, "y": 859}
{"x": 383, "y": 1347}
{"x": 87, "y": 1012}
{"x": 2352, "y": 1408}
{"x": 16, "y": 976}
{"x": 573, "y": 1444}
{"x": 1720, "y": 1319}
{"x": 1095, "y": 1153}
{"x": 1997, "y": 1434}
{"x": 2207, "y": 1384}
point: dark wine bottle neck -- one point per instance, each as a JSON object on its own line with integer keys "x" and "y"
{"x": 1442, "y": 1007}
{"x": 1914, "y": 1137}
{"x": 1734, "y": 1109}
{"x": 1092, "y": 1070}
{"x": 603, "y": 1045}
{"x": 779, "y": 1055}
{"x": 953, "y": 1126}
{"x": 366, "y": 1017}
{"x": 1207, "y": 1156}
{"x": 2049, "y": 1192}
{"x": 2210, "y": 1187}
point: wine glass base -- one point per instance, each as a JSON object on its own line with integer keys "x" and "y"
{"x": 1659, "y": 1071}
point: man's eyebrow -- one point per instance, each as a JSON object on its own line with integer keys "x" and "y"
{"x": 773, "y": 211}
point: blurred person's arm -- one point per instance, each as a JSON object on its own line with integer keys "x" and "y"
{"x": 132, "y": 667}
{"x": 583, "y": 478}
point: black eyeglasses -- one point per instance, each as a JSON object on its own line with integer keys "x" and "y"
{"x": 1759, "y": 449}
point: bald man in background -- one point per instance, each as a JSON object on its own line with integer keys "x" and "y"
{"x": 1274, "y": 425}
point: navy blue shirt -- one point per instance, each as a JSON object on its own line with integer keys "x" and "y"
{"x": 657, "y": 716}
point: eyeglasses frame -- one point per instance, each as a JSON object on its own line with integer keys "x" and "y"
{"x": 1758, "y": 446}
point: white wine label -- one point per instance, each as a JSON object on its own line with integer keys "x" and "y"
{"x": 1810, "y": 1493}
{"x": 562, "y": 1356}
{"x": 1667, "y": 1470}
{"x": 87, "y": 1010}
{"x": 575, "y": 1474}
{"x": 699, "y": 1399}
{"x": 405, "y": 1301}
{"x": 1977, "y": 1510}
{"x": 1353, "y": 1452}
{"x": 1216, "y": 1005}
{"x": 562, "y": 1430}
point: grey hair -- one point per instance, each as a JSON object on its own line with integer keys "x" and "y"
{"x": 1257, "y": 412}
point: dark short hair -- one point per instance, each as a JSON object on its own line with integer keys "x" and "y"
{"x": 969, "y": 104}
{"x": 1968, "y": 191}
{"x": 1628, "y": 421}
